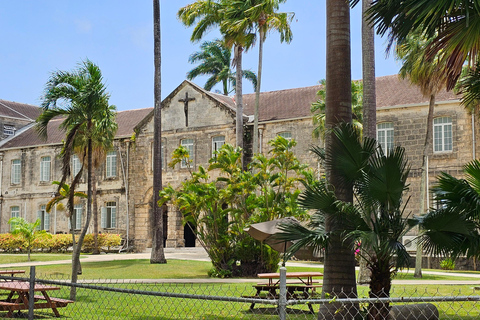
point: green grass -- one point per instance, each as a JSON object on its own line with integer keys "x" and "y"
{"x": 132, "y": 269}
{"x": 112, "y": 305}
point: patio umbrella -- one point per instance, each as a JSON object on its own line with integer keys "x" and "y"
{"x": 265, "y": 231}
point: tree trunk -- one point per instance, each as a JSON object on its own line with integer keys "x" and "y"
{"x": 423, "y": 182}
{"x": 158, "y": 255}
{"x": 78, "y": 248}
{"x": 380, "y": 286}
{"x": 96, "y": 249}
{"x": 238, "y": 96}
{"x": 257, "y": 93}
{"x": 339, "y": 269}
{"x": 369, "y": 102}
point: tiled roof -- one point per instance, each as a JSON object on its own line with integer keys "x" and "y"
{"x": 294, "y": 103}
{"x": 17, "y": 110}
{"x": 127, "y": 120}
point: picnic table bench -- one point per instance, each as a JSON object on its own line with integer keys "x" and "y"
{"x": 302, "y": 288}
{"x": 10, "y": 272}
{"x": 18, "y": 298}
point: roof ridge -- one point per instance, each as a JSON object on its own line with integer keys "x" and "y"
{"x": 3, "y": 104}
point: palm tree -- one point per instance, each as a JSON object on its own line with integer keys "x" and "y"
{"x": 339, "y": 267}
{"x": 376, "y": 219}
{"x": 28, "y": 231}
{"x": 206, "y": 14}
{"x": 87, "y": 114}
{"x": 429, "y": 76}
{"x": 453, "y": 228}
{"x": 263, "y": 14}
{"x": 453, "y": 27}
{"x": 215, "y": 60}
{"x": 318, "y": 109}
{"x": 157, "y": 255}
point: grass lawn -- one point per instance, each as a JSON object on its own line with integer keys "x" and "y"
{"x": 96, "y": 304}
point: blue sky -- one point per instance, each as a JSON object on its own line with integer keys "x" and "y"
{"x": 41, "y": 36}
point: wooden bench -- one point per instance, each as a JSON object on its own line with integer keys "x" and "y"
{"x": 58, "y": 302}
{"x": 10, "y": 307}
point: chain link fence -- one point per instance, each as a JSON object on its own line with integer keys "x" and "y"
{"x": 142, "y": 300}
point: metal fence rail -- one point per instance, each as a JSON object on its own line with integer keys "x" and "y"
{"x": 118, "y": 299}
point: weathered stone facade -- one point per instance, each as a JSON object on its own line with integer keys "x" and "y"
{"x": 211, "y": 122}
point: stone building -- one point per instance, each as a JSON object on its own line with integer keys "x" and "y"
{"x": 15, "y": 116}
{"x": 202, "y": 121}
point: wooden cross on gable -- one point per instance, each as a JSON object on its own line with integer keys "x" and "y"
{"x": 185, "y": 106}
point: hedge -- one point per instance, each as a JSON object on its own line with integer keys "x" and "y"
{"x": 57, "y": 242}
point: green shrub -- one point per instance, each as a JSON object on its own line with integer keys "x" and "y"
{"x": 57, "y": 242}
{"x": 447, "y": 264}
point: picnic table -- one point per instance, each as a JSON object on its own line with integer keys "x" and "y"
{"x": 301, "y": 288}
{"x": 11, "y": 272}
{"x": 18, "y": 297}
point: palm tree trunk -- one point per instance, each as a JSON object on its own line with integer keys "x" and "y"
{"x": 158, "y": 255}
{"x": 369, "y": 101}
{"x": 339, "y": 269}
{"x": 423, "y": 182}
{"x": 77, "y": 249}
{"x": 238, "y": 96}
{"x": 257, "y": 92}
{"x": 96, "y": 249}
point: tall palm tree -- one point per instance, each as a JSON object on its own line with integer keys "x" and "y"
{"x": 87, "y": 114}
{"x": 339, "y": 270}
{"x": 263, "y": 14}
{"x": 428, "y": 75}
{"x": 158, "y": 254}
{"x": 206, "y": 14}
{"x": 215, "y": 60}
{"x": 377, "y": 218}
{"x": 453, "y": 26}
{"x": 318, "y": 109}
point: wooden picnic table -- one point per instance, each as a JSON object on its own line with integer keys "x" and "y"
{"x": 302, "y": 288}
{"x": 11, "y": 272}
{"x": 18, "y": 298}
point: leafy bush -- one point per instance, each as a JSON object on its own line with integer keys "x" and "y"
{"x": 447, "y": 264}
{"x": 220, "y": 201}
{"x": 56, "y": 242}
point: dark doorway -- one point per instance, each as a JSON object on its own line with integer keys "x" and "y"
{"x": 189, "y": 235}
{"x": 165, "y": 224}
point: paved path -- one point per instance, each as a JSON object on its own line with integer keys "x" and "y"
{"x": 201, "y": 255}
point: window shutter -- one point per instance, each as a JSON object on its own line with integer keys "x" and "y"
{"x": 39, "y": 216}
{"x": 104, "y": 217}
{"x": 114, "y": 218}
{"x": 78, "y": 223}
{"x": 47, "y": 221}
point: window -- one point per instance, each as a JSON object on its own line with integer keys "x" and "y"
{"x": 44, "y": 217}
{"x": 77, "y": 217}
{"x": 45, "y": 169}
{"x": 287, "y": 135}
{"x": 188, "y": 144}
{"x": 76, "y": 165}
{"x": 16, "y": 171}
{"x": 217, "y": 143}
{"x": 111, "y": 164}
{"x": 109, "y": 215}
{"x": 8, "y": 130}
{"x": 385, "y": 136}
{"x": 442, "y": 134}
{"x": 14, "y": 213}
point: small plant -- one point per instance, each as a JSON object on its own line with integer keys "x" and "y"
{"x": 447, "y": 264}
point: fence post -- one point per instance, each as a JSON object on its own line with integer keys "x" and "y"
{"x": 282, "y": 301}
{"x": 31, "y": 293}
